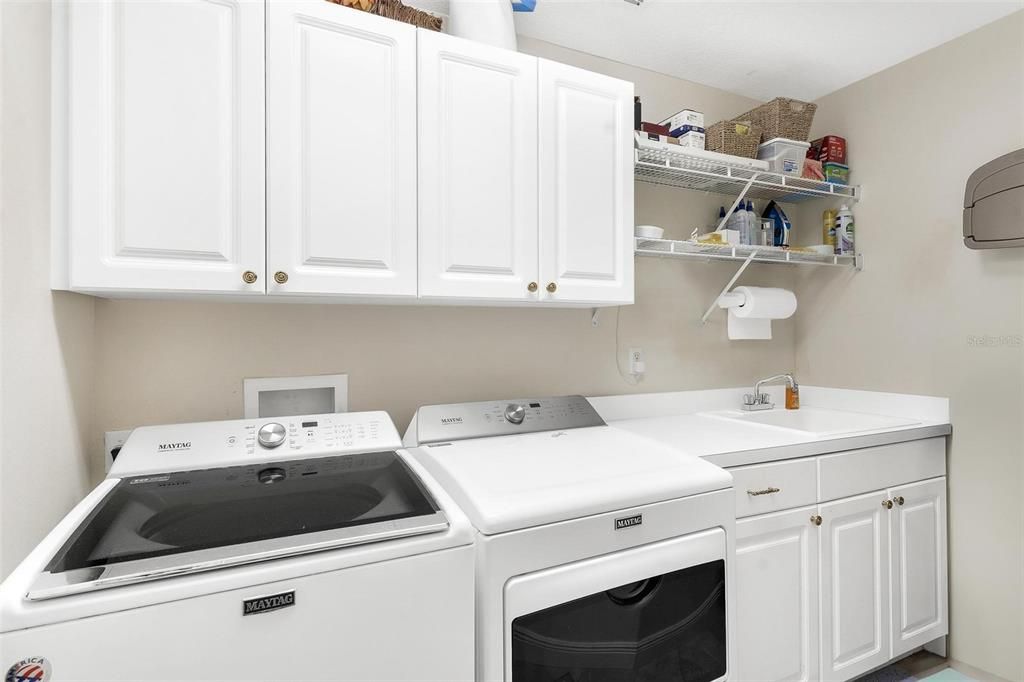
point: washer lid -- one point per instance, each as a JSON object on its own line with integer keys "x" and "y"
{"x": 511, "y": 482}
{"x": 158, "y": 525}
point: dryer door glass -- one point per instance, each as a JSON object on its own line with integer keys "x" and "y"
{"x": 669, "y": 628}
{"x": 160, "y": 515}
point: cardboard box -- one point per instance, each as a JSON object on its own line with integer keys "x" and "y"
{"x": 684, "y": 121}
{"x": 828, "y": 149}
{"x": 692, "y": 139}
{"x": 654, "y": 128}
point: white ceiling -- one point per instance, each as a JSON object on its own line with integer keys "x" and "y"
{"x": 759, "y": 49}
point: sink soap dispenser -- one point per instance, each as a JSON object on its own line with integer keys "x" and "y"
{"x": 793, "y": 396}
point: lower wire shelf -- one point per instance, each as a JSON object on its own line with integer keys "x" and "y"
{"x": 671, "y": 248}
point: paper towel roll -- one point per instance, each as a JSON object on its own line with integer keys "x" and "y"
{"x": 764, "y": 303}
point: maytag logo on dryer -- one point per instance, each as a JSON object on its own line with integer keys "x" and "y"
{"x": 271, "y": 602}
{"x": 629, "y": 521}
{"x": 166, "y": 447}
{"x": 451, "y": 420}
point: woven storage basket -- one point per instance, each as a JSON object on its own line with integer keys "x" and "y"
{"x": 782, "y": 117}
{"x": 739, "y": 138}
{"x": 394, "y": 9}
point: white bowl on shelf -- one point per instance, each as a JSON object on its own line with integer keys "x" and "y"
{"x": 649, "y": 232}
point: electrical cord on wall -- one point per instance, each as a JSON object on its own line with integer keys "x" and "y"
{"x": 630, "y": 379}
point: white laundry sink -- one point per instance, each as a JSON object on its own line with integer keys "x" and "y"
{"x": 815, "y": 421}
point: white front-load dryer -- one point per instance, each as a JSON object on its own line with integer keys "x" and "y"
{"x": 303, "y": 548}
{"x": 602, "y": 556}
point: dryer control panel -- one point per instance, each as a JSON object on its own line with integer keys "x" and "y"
{"x": 460, "y": 421}
{"x": 183, "y": 447}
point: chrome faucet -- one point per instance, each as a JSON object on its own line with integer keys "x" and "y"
{"x": 760, "y": 401}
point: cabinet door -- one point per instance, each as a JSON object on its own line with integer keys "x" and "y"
{"x": 854, "y": 586}
{"x": 919, "y": 588}
{"x": 341, "y": 151}
{"x": 586, "y": 186}
{"x": 165, "y": 171}
{"x": 777, "y": 597}
{"x": 477, "y": 170}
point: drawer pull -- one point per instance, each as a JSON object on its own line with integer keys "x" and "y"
{"x": 887, "y": 504}
{"x": 766, "y": 491}
{"x": 900, "y": 501}
{"x": 816, "y": 520}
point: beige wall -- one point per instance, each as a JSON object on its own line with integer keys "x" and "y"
{"x": 906, "y": 323}
{"x": 46, "y": 340}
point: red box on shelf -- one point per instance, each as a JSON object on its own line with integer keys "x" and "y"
{"x": 828, "y": 149}
{"x": 654, "y": 128}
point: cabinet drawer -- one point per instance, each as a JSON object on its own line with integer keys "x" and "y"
{"x": 763, "y": 488}
{"x": 861, "y": 471}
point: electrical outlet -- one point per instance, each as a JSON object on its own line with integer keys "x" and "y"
{"x": 112, "y": 442}
{"x": 636, "y": 362}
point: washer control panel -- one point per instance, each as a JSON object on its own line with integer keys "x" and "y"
{"x": 459, "y": 421}
{"x": 183, "y": 447}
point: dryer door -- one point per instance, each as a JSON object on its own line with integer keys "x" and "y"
{"x": 652, "y": 613}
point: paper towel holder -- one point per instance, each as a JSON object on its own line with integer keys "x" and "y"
{"x": 723, "y": 292}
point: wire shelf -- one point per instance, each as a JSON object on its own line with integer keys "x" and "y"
{"x": 670, "y": 248}
{"x": 688, "y": 171}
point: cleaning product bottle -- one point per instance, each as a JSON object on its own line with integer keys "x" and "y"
{"x": 721, "y": 215}
{"x": 844, "y": 231}
{"x": 752, "y": 224}
{"x": 736, "y": 220}
{"x": 828, "y": 228}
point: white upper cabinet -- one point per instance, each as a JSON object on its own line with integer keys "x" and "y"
{"x": 777, "y": 597}
{"x": 854, "y": 586}
{"x": 477, "y": 171}
{"x": 162, "y": 139}
{"x": 341, "y": 151}
{"x": 302, "y": 148}
{"x": 586, "y": 186}
{"x": 919, "y": 581}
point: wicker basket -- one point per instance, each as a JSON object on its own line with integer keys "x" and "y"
{"x": 739, "y": 138}
{"x": 783, "y": 117}
{"x": 394, "y": 9}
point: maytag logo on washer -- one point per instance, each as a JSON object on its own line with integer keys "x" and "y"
{"x": 629, "y": 521}
{"x": 31, "y": 669}
{"x": 271, "y": 602}
{"x": 451, "y": 420}
{"x": 164, "y": 447}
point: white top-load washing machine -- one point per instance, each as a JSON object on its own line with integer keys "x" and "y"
{"x": 299, "y": 548}
{"x": 602, "y": 556}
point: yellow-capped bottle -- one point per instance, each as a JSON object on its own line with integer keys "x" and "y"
{"x": 828, "y": 227}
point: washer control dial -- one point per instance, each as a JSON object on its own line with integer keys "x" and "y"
{"x": 515, "y": 414}
{"x": 271, "y": 435}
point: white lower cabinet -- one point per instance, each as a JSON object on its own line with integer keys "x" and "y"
{"x": 777, "y": 596}
{"x": 918, "y": 566}
{"x": 834, "y": 590}
{"x": 854, "y": 586}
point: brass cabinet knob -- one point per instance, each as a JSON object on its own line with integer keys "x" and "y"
{"x": 280, "y": 277}
{"x": 531, "y": 287}
{"x": 552, "y": 287}
{"x": 249, "y": 277}
{"x": 816, "y": 520}
{"x": 887, "y": 504}
{"x": 900, "y": 501}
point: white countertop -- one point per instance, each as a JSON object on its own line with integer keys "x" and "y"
{"x": 679, "y": 419}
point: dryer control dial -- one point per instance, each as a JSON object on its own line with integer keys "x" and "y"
{"x": 515, "y": 414}
{"x": 271, "y": 435}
